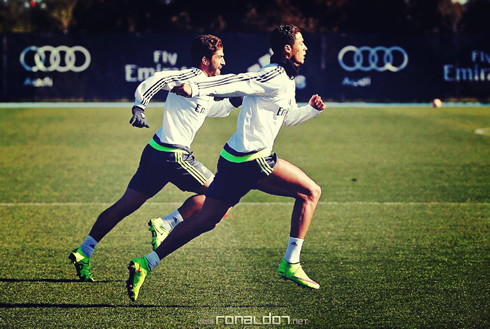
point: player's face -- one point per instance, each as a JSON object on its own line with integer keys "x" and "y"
{"x": 298, "y": 51}
{"x": 216, "y": 63}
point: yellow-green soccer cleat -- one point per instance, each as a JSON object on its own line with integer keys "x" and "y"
{"x": 82, "y": 265}
{"x": 158, "y": 233}
{"x": 295, "y": 273}
{"x": 138, "y": 270}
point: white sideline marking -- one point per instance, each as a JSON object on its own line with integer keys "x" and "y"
{"x": 326, "y": 203}
{"x": 483, "y": 131}
{"x": 43, "y": 105}
{"x": 162, "y": 104}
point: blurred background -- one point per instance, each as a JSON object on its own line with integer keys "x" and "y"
{"x": 359, "y": 50}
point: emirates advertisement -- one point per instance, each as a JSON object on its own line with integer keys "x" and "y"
{"x": 341, "y": 68}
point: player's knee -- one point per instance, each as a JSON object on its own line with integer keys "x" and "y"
{"x": 198, "y": 201}
{"x": 314, "y": 193}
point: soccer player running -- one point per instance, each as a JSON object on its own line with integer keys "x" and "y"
{"x": 247, "y": 161}
{"x": 167, "y": 157}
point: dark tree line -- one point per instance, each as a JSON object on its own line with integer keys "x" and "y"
{"x": 221, "y": 16}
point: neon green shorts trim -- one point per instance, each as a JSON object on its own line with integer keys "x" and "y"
{"x": 245, "y": 158}
{"x": 159, "y": 147}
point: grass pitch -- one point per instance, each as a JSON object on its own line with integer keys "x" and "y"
{"x": 399, "y": 240}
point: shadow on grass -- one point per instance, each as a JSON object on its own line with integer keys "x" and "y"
{"x": 45, "y": 305}
{"x": 57, "y": 280}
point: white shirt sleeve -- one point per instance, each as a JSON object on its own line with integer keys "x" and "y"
{"x": 164, "y": 80}
{"x": 244, "y": 84}
{"x": 297, "y": 115}
{"x": 221, "y": 108}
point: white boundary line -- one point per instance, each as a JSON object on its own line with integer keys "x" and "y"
{"x": 22, "y": 105}
{"x": 326, "y": 203}
{"x": 161, "y": 104}
{"x": 483, "y": 131}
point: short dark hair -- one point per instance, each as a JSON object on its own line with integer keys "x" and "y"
{"x": 204, "y": 46}
{"x": 281, "y": 36}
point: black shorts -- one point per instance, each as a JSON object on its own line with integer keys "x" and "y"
{"x": 234, "y": 180}
{"x": 158, "y": 168}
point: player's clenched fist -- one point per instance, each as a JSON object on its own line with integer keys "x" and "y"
{"x": 139, "y": 118}
{"x": 317, "y": 103}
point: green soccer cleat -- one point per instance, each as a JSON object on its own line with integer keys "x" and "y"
{"x": 138, "y": 270}
{"x": 158, "y": 233}
{"x": 82, "y": 265}
{"x": 295, "y": 273}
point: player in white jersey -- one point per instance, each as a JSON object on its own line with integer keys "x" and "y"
{"x": 247, "y": 161}
{"x": 167, "y": 157}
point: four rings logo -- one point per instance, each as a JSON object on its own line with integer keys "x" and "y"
{"x": 50, "y": 59}
{"x": 366, "y": 59}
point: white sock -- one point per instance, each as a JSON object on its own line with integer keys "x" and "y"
{"x": 170, "y": 221}
{"x": 294, "y": 250}
{"x": 88, "y": 246}
{"x": 153, "y": 260}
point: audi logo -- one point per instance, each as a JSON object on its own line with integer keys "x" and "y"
{"x": 381, "y": 59}
{"x": 49, "y": 59}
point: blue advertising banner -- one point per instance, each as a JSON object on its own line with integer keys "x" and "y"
{"x": 354, "y": 67}
{"x": 408, "y": 69}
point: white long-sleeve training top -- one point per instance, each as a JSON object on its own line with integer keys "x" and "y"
{"x": 268, "y": 104}
{"x": 182, "y": 117}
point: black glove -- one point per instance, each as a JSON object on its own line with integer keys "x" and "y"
{"x": 139, "y": 118}
{"x": 236, "y": 101}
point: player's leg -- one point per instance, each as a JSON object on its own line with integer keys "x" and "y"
{"x": 131, "y": 201}
{"x": 188, "y": 174}
{"x": 220, "y": 197}
{"x": 106, "y": 221}
{"x": 210, "y": 215}
{"x": 289, "y": 180}
{"x": 145, "y": 183}
{"x": 193, "y": 204}
{"x": 160, "y": 227}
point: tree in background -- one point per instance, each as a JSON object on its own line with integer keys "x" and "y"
{"x": 224, "y": 16}
{"x": 375, "y": 16}
{"x": 451, "y": 14}
{"x": 476, "y": 17}
{"x": 15, "y": 17}
{"x": 62, "y": 12}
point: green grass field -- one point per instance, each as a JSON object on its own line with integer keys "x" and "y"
{"x": 401, "y": 238}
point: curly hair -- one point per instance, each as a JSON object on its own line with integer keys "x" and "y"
{"x": 204, "y": 46}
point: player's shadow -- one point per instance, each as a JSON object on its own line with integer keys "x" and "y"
{"x": 48, "y": 305}
{"x": 56, "y": 280}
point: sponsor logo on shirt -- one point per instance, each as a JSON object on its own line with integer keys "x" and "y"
{"x": 282, "y": 111}
{"x": 199, "y": 109}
